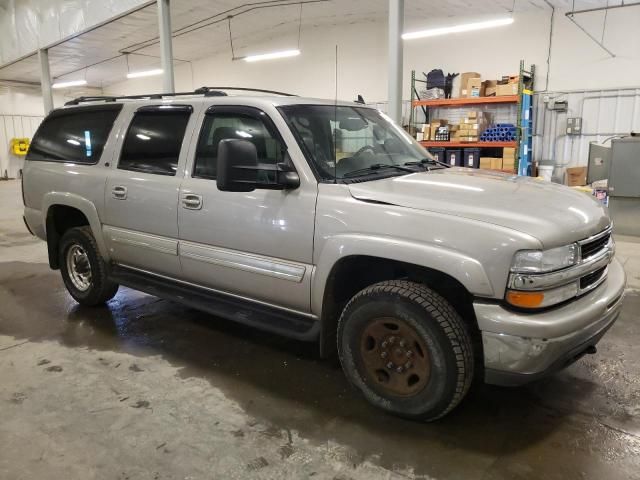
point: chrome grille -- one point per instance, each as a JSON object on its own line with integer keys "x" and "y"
{"x": 592, "y": 278}
{"x": 592, "y": 247}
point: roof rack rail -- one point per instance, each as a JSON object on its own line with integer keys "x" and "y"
{"x": 243, "y": 89}
{"x": 206, "y": 91}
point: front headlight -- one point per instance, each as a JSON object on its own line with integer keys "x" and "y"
{"x": 530, "y": 265}
{"x": 543, "y": 261}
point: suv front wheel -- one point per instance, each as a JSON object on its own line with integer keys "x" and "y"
{"x": 83, "y": 270}
{"x": 406, "y": 349}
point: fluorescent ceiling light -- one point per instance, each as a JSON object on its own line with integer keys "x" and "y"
{"x": 71, "y": 83}
{"x": 142, "y": 136}
{"x": 73, "y": 142}
{"x": 145, "y": 73}
{"x": 270, "y": 56}
{"x": 465, "y": 27}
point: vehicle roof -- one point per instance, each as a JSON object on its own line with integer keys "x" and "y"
{"x": 244, "y": 99}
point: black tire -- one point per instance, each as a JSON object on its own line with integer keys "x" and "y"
{"x": 100, "y": 289}
{"x": 433, "y": 322}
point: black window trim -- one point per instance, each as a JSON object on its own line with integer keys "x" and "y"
{"x": 248, "y": 111}
{"x": 164, "y": 109}
{"x": 68, "y": 111}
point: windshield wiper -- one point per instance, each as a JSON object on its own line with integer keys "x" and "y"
{"x": 375, "y": 167}
{"x": 426, "y": 161}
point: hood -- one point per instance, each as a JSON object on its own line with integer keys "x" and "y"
{"x": 552, "y": 213}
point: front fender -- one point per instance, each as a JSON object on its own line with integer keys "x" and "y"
{"x": 85, "y": 206}
{"x": 466, "y": 270}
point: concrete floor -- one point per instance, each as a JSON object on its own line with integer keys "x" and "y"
{"x": 148, "y": 389}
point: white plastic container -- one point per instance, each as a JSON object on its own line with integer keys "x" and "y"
{"x": 545, "y": 171}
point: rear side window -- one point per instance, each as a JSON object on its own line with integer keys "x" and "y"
{"x": 74, "y": 135}
{"x": 154, "y": 140}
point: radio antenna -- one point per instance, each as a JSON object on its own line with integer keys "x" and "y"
{"x": 335, "y": 125}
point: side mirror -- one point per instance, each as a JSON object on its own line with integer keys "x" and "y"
{"x": 238, "y": 169}
{"x": 237, "y": 166}
{"x": 287, "y": 179}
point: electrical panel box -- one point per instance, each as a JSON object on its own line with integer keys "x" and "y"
{"x": 599, "y": 160}
{"x": 624, "y": 172}
{"x": 574, "y": 126}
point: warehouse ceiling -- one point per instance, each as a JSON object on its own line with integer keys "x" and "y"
{"x": 201, "y": 29}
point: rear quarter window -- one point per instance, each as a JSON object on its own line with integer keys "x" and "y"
{"x": 74, "y": 135}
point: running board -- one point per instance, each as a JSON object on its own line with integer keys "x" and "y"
{"x": 264, "y": 317}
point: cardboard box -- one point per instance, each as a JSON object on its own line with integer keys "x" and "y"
{"x": 474, "y": 87}
{"x": 485, "y": 162}
{"x": 576, "y": 176}
{"x": 508, "y": 163}
{"x": 489, "y": 88}
{"x": 508, "y": 89}
{"x": 469, "y": 139}
{"x": 508, "y": 152}
{"x": 464, "y": 82}
{"x": 496, "y": 164}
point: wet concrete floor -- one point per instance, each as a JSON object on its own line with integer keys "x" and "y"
{"x": 146, "y": 388}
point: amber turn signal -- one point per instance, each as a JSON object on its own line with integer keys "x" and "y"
{"x": 525, "y": 299}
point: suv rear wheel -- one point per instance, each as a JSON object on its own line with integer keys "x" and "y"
{"x": 83, "y": 270}
{"x": 406, "y": 349}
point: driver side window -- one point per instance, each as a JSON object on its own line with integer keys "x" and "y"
{"x": 224, "y": 125}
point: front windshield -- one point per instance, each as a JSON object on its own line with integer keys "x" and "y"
{"x": 345, "y": 141}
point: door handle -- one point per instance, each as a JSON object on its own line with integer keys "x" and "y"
{"x": 119, "y": 193}
{"x": 192, "y": 201}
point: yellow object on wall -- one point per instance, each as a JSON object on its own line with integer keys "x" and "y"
{"x": 19, "y": 146}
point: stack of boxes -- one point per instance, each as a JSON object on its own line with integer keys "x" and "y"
{"x": 507, "y": 86}
{"x": 471, "y": 86}
{"x": 437, "y": 130}
{"x": 470, "y": 128}
{"x": 509, "y": 158}
{"x": 506, "y": 162}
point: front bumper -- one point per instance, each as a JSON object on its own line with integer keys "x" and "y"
{"x": 522, "y": 347}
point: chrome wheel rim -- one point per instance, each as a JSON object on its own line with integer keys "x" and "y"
{"x": 79, "y": 268}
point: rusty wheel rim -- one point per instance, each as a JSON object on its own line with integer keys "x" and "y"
{"x": 395, "y": 358}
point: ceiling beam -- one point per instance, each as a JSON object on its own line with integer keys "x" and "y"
{"x": 600, "y": 9}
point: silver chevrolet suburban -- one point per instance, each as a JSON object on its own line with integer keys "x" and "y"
{"x": 325, "y": 222}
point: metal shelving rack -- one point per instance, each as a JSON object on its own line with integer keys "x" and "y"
{"x": 525, "y": 120}
{"x": 524, "y": 101}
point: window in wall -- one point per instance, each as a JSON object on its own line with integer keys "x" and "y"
{"x": 154, "y": 140}
{"x": 74, "y": 135}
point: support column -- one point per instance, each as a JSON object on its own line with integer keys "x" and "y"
{"x": 166, "y": 47}
{"x": 396, "y": 25}
{"x": 45, "y": 80}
